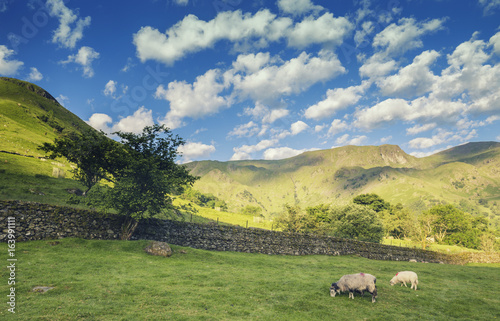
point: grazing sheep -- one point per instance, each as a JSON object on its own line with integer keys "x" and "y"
{"x": 360, "y": 282}
{"x": 404, "y": 277}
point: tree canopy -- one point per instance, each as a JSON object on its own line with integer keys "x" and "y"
{"x": 141, "y": 168}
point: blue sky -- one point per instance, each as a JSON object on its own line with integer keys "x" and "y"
{"x": 267, "y": 79}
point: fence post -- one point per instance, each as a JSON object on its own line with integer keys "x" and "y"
{"x": 217, "y": 221}
{"x": 247, "y": 223}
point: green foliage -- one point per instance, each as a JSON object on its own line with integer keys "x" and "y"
{"x": 373, "y": 201}
{"x": 92, "y": 152}
{"x": 352, "y": 221}
{"x": 141, "y": 167}
{"x": 252, "y": 210}
{"x": 453, "y": 226}
{"x": 357, "y": 222}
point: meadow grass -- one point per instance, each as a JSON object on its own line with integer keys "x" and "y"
{"x": 117, "y": 280}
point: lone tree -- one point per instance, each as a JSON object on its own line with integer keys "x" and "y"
{"x": 141, "y": 168}
{"x": 92, "y": 153}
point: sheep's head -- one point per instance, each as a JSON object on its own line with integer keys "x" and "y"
{"x": 393, "y": 281}
{"x": 334, "y": 289}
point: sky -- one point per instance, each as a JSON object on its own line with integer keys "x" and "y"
{"x": 258, "y": 79}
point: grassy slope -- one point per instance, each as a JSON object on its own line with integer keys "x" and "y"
{"x": 116, "y": 280}
{"x": 25, "y": 174}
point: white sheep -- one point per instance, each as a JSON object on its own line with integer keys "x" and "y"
{"x": 404, "y": 277}
{"x": 359, "y": 282}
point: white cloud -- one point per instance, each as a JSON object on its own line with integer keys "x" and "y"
{"x": 443, "y": 137}
{"x": 192, "y": 150}
{"x": 337, "y": 99}
{"x": 283, "y": 152}
{"x": 346, "y": 140}
{"x": 100, "y": 122}
{"x": 63, "y": 100}
{"x": 34, "y": 75}
{"x": 245, "y": 130}
{"x": 298, "y": 127}
{"x": 404, "y": 36}
{"x": 489, "y": 6}
{"x": 495, "y": 42}
{"x": 413, "y": 80}
{"x": 265, "y": 114}
{"x": 110, "y": 88}
{"x": 135, "y": 123}
{"x": 337, "y": 126}
{"x": 192, "y": 34}
{"x": 192, "y": 100}
{"x": 8, "y": 67}
{"x": 84, "y": 57}
{"x": 244, "y": 30}
{"x": 181, "y": 2}
{"x": 298, "y": 7}
{"x": 322, "y": 30}
{"x": 377, "y": 65}
{"x": 420, "y": 109}
{"x": 243, "y": 152}
{"x": 386, "y": 111}
{"x": 64, "y": 35}
{"x": 292, "y": 77}
{"x": 417, "y": 129}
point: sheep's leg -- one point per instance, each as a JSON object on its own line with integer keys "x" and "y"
{"x": 404, "y": 284}
{"x": 351, "y": 295}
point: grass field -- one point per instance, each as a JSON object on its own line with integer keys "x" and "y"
{"x": 117, "y": 280}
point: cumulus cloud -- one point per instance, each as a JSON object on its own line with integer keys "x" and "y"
{"x": 337, "y": 99}
{"x": 495, "y": 42}
{"x": 70, "y": 29}
{"x": 84, "y": 58}
{"x": 100, "y": 122}
{"x": 347, "y": 140}
{"x": 298, "y": 127}
{"x": 245, "y": 130}
{"x": 244, "y": 152}
{"x": 283, "y": 152}
{"x": 324, "y": 30}
{"x": 34, "y": 75}
{"x": 135, "y": 123}
{"x": 298, "y": 7}
{"x": 8, "y": 67}
{"x": 417, "y": 129}
{"x": 193, "y": 150}
{"x": 265, "y": 114}
{"x": 413, "y": 80}
{"x": 110, "y": 88}
{"x": 192, "y": 34}
{"x": 405, "y": 35}
{"x": 292, "y": 77}
{"x": 377, "y": 66}
{"x": 192, "y": 100}
{"x": 337, "y": 126}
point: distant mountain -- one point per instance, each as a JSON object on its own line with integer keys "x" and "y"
{"x": 469, "y": 173}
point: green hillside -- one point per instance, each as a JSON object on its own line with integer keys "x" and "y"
{"x": 467, "y": 173}
{"x": 30, "y": 116}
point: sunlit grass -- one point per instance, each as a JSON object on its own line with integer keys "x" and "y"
{"x": 117, "y": 280}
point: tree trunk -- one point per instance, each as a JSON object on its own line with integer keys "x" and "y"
{"x": 128, "y": 228}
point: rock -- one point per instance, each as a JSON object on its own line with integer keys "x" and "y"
{"x": 159, "y": 249}
{"x": 42, "y": 289}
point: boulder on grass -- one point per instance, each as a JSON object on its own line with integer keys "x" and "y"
{"x": 159, "y": 249}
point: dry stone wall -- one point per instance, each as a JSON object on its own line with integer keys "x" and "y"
{"x": 39, "y": 221}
